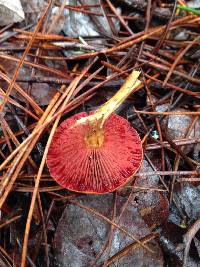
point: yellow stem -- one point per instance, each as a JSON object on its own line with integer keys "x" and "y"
{"x": 102, "y": 114}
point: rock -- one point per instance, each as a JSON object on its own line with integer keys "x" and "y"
{"x": 10, "y": 12}
{"x": 177, "y": 127}
{"x": 193, "y": 4}
{"x": 33, "y": 9}
{"x": 79, "y": 24}
{"x": 187, "y": 199}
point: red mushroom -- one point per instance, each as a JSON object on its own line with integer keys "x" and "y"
{"x": 97, "y": 153}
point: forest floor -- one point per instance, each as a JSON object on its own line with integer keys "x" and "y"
{"x": 58, "y": 59}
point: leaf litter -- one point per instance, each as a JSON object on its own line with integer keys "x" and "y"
{"x": 86, "y": 49}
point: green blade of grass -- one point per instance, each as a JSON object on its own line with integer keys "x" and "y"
{"x": 192, "y": 10}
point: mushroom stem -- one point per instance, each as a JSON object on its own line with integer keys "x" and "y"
{"x": 94, "y": 138}
{"x": 101, "y": 115}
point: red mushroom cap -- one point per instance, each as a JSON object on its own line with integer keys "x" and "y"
{"x": 78, "y": 167}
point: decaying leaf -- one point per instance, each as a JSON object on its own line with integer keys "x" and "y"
{"x": 80, "y": 235}
{"x": 152, "y": 204}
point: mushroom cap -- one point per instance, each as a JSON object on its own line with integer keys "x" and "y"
{"x": 79, "y": 168}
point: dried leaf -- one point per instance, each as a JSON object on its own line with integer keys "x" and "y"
{"x": 152, "y": 204}
{"x": 80, "y": 235}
